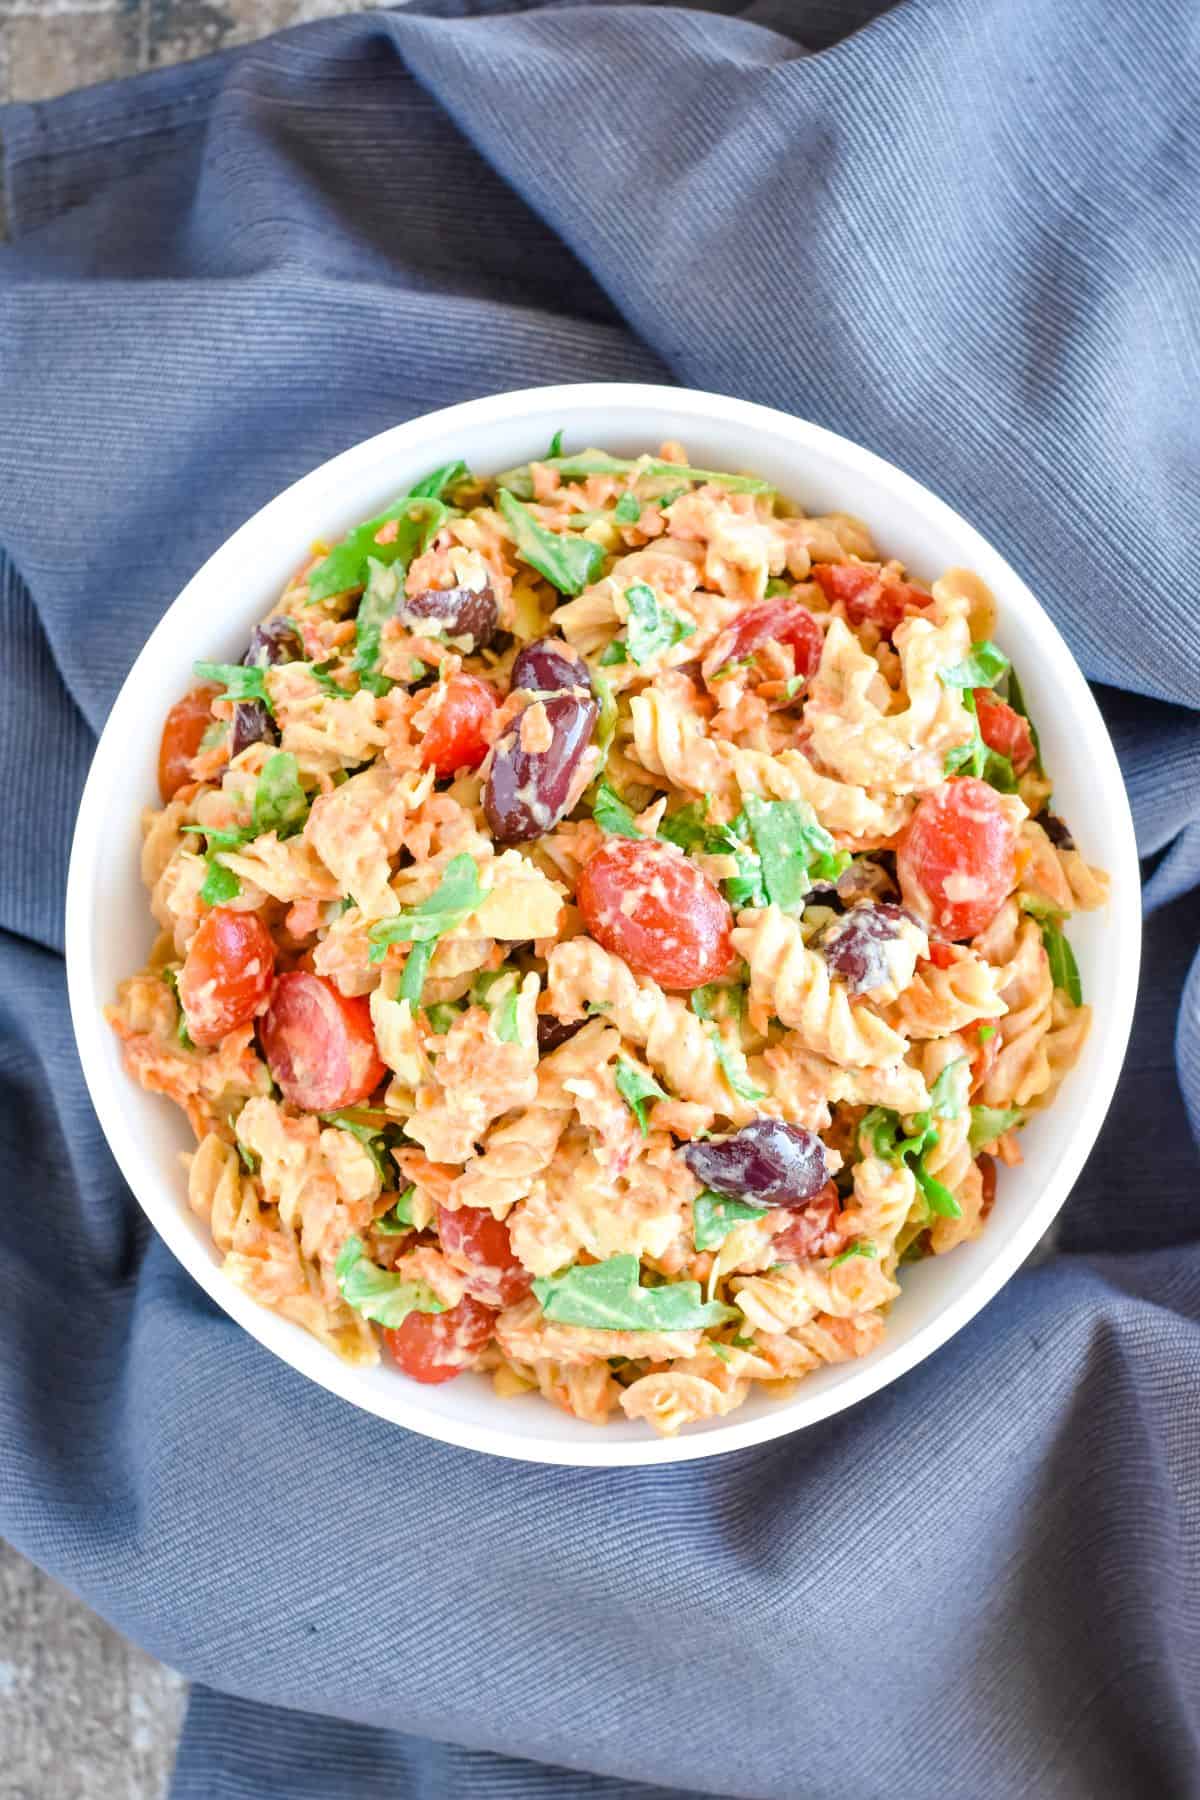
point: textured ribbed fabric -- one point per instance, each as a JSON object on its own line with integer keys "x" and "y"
{"x": 962, "y": 232}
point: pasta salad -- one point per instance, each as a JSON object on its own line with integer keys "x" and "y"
{"x": 610, "y": 923}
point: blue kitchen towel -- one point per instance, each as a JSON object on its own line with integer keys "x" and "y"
{"x": 960, "y": 231}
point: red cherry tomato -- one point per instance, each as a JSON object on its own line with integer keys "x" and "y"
{"x": 226, "y": 975}
{"x": 661, "y": 913}
{"x": 434, "y": 1347}
{"x": 814, "y": 1232}
{"x": 456, "y": 738}
{"x": 479, "y": 1245}
{"x": 956, "y": 857}
{"x": 1004, "y": 730}
{"x": 987, "y": 1169}
{"x": 941, "y": 954}
{"x": 867, "y": 593}
{"x": 183, "y": 727}
{"x": 785, "y": 622}
{"x": 320, "y": 1046}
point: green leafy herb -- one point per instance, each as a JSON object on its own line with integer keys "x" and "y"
{"x": 220, "y": 884}
{"x": 860, "y": 1247}
{"x": 628, "y": 510}
{"x": 889, "y": 1141}
{"x": 611, "y": 813}
{"x": 250, "y": 1162}
{"x": 380, "y": 1294}
{"x": 378, "y": 604}
{"x": 416, "y": 968}
{"x": 728, "y": 669}
{"x": 938, "y": 1198}
{"x": 597, "y": 462}
{"x": 399, "y": 1218}
{"x": 418, "y": 519}
{"x": 730, "y": 1055}
{"x": 606, "y": 723}
{"x": 982, "y": 668}
{"x": 241, "y": 682}
{"x": 280, "y": 803}
{"x": 974, "y": 757}
{"x": 651, "y": 627}
{"x": 441, "y": 1016}
{"x": 1016, "y": 699}
{"x": 776, "y": 586}
{"x": 715, "y": 1215}
{"x": 792, "y": 686}
{"x": 985, "y": 1032}
{"x": 606, "y": 1296}
{"x": 948, "y": 1095}
{"x": 614, "y": 652}
{"x": 416, "y": 669}
{"x": 1038, "y": 907}
{"x": 370, "y": 1136}
{"x": 690, "y": 830}
{"x": 555, "y": 446}
{"x": 568, "y": 563}
{"x": 592, "y": 1007}
{"x": 455, "y": 898}
{"x": 990, "y": 1122}
{"x": 793, "y": 849}
{"x": 171, "y": 976}
{"x": 635, "y": 1087}
{"x": 440, "y": 482}
{"x": 1063, "y": 967}
{"x": 503, "y": 1007}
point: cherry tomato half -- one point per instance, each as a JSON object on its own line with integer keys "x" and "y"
{"x": 814, "y": 1232}
{"x": 226, "y": 975}
{"x": 785, "y": 622}
{"x": 319, "y": 1045}
{"x": 1004, "y": 730}
{"x": 479, "y": 1245}
{"x": 987, "y": 1169}
{"x": 183, "y": 728}
{"x": 956, "y": 857}
{"x": 434, "y": 1347}
{"x": 456, "y": 738}
{"x": 867, "y": 593}
{"x": 646, "y": 903}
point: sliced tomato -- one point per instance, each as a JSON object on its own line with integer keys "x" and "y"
{"x": 1004, "y": 730}
{"x": 648, "y": 904}
{"x": 782, "y": 621}
{"x": 479, "y": 1245}
{"x": 433, "y": 1347}
{"x": 319, "y": 1045}
{"x": 183, "y": 728}
{"x": 941, "y": 954}
{"x": 817, "y": 1231}
{"x": 226, "y": 975}
{"x": 956, "y": 858}
{"x": 867, "y": 592}
{"x": 457, "y": 735}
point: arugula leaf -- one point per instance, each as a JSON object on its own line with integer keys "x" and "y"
{"x": 990, "y": 1122}
{"x": 885, "y": 1133}
{"x": 171, "y": 976}
{"x": 776, "y": 586}
{"x": 860, "y": 1247}
{"x": 455, "y": 898}
{"x": 628, "y": 509}
{"x": 715, "y": 1215}
{"x": 321, "y": 673}
{"x": 792, "y": 686}
{"x": 568, "y": 563}
{"x": 1063, "y": 967}
{"x": 416, "y": 968}
{"x": 606, "y": 1297}
{"x": 730, "y": 1056}
{"x": 220, "y": 884}
{"x": 250, "y": 1162}
{"x": 598, "y": 462}
{"x": 611, "y": 813}
{"x": 974, "y": 757}
{"x": 380, "y": 1294}
{"x": 441, "y": 1017}
{"x": 240, "y": 681}
{"x": 614, "y": 652}
{"x": 938, "y": 1198}
{"x": 280, "y": 803}
{"x": 441, "y": 481}
{"x": 501, "y": 996}
{"x": 793, "y": 848}
{"x": 635, "y": 1087}
{"x": 418, "y": 517}
{"x": 1016, "y": 699}
{"x": 378, "y": 604}
{"x": 689, "y": 829}
{"x": 606, "y": 723}
{"x": 651, "y": 627}
{"x": 984, "y": 1032}
{"x": 369, "y": 1136}
{"x": 398, "y": 1219}
{"x": 949, "y": 1092}
{"x": 982, "y": 668}
{"x": 555, "y": 447}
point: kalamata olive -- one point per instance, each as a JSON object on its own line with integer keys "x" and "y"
{"x": 459, "y": 612}
{"x": 767, "y": 1162}
{"x": 274, "y": 641}
{"x": 549, "y": 666}
{"x": 1057, "y": 831}
{"x": 552, "y": 1032}
{"x": 252, "y": 724}
{"x": 855, "y": 947}
{"x": 529, "y": 787}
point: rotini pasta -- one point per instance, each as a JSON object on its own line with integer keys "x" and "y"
{"x": 609, "y": 924}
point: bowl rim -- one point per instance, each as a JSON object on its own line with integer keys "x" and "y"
{"x": 161, "y": 1205}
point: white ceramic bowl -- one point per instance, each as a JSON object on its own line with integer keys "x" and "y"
{"x": 109, "y": 928}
